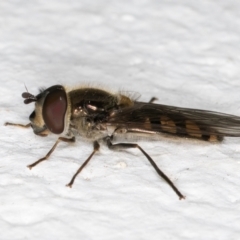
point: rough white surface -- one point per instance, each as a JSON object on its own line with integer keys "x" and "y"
{"x": 184, "y": 52}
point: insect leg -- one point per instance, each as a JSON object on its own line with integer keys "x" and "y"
{"x": 96, "y": 147}
{"x": 51, "y": 150}
{"x": 153, "y": 99}
{"x": 18, "y": 125}
{"x": 120, "y": 146}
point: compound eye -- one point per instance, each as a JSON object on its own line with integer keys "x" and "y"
{"x": 54, "y": 109}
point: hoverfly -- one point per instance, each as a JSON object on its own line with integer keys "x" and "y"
{"x": 99, "y": 115}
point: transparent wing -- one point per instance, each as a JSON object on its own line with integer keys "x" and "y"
{"x": 175, "y": 120}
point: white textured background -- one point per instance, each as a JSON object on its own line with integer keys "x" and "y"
{"x": 186, "y": 53}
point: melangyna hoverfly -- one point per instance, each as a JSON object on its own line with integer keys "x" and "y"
{"x": 100, "y": 115}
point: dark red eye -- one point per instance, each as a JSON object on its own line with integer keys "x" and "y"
{"x": 54, "y": 109}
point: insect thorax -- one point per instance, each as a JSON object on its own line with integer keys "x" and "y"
{"x": 90, "y": 110}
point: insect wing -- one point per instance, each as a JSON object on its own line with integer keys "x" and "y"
{"x": 175, "y": 120}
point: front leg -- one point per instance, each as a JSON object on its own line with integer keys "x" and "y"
{"x": 17, "y": 125}
{"x": 63, "y": 139}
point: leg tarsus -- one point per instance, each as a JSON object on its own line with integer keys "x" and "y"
{"x": 96, "y": 147}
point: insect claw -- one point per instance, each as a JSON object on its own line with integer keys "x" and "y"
{"x": 29, "y": 166}
{"x": 69, "y": 185}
